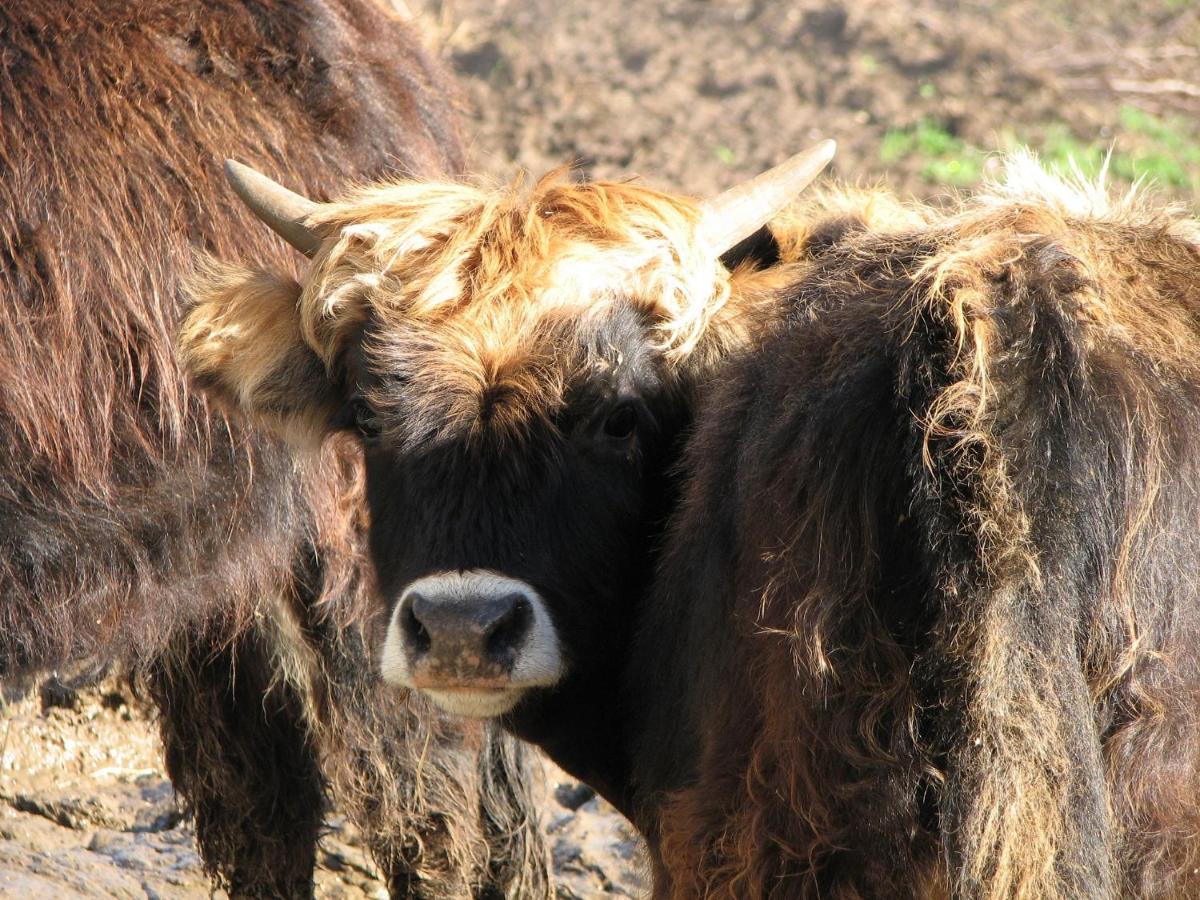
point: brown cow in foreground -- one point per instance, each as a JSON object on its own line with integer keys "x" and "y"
{"x": 870, "y": 572}
{"x": 137, "y": 525}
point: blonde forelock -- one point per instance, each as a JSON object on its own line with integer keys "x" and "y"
{"x": 430, "y": 251}
{"x": 467, "y": 288}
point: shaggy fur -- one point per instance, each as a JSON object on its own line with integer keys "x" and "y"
{"x": 958, "y": 565}
{"x": 477, "y": 341}
{"x": 135, "y": 523}
{"x": 459, "y": 293}
{"x": 929, "y": 587}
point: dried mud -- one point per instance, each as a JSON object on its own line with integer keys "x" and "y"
{"x": 86, "y": 811}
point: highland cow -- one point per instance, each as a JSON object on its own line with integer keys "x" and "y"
{"x": 515, "y": 369}
{"x": 862, "y": 565}
{"x": 137, "y": 525}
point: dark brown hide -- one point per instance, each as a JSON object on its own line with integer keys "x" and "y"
{"x": 933, "y": 582}
{"x": 134, "y": 523}
{"x": 926, "y": 621}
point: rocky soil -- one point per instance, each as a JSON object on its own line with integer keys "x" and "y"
{"x": 689, "y": 94}
{"x": 86, "y": 811}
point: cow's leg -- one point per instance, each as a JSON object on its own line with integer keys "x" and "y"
{"x": 238, "y": 750}
{"x": 1026, "y": 810}
{"x": 253, "y": 729}
{"x": 1152, "y": 749}
{"x": 494, "y": 852}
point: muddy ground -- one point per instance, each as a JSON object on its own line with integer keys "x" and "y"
{"x": 87, "y": 811}
{"x": 691, "y": 95}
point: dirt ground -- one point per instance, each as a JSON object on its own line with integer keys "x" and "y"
{"x": 691, "y": 95}
{"x": 86, "y": 808}
{"x": 696, "y": 94}
{"x": 87, "y": 811}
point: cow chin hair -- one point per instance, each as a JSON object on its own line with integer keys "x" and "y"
{"x": 477, "y": 704}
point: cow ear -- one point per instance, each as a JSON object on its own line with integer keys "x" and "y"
{"x": 242, "y": 345}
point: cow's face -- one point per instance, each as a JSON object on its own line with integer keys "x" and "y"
{"x": 514, "y": 368}
{"x": 510, "y": 544}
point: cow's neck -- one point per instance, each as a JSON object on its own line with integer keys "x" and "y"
{"x": 629, "y": 740}
{"x": 580, "y": 727}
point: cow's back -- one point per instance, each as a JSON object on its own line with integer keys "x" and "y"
{"x": 940, "y": 549}
{"x": 126, "y": 506}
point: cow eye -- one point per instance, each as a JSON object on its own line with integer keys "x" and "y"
{"x": 364, "y": 418}
{"x": 622, "y": 422}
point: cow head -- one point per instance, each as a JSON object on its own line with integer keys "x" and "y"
{"x": 513, "y": 364}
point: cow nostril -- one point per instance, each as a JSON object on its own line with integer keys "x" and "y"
{"x": 418, "y": 635}
{"x": 506, "y": 633}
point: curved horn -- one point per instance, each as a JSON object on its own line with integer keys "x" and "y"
{"x": 281, "y": 210}
{"x": 737, "y": 213}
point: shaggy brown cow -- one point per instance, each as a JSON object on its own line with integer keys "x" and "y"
{"x": 933, "y": 575}
{"x": 925, "y": 619}
{"x": 137, "y": 525}
{"x": 453, "y": 329}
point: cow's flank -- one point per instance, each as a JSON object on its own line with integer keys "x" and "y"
{"x": 137, "y": 524}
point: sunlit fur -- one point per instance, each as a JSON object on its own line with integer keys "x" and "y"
{"x": 958, "y": 566}
{"x": 463, "y": 289}
{"x": 136, "y": 524}
{"x": 926, "y": 620}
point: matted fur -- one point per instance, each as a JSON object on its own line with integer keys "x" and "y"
{"x": 930, "y": 584}
{"x": 462, "y": 289}
{"x": 967, "y": 610}
{"x": 135, "y": 523}
{"x": 131, "y": 106}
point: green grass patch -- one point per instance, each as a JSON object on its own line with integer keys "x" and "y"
{"x": 944, "y": 158}
{"x": 1160, "y": 149}
{"x": 868, "y": 64}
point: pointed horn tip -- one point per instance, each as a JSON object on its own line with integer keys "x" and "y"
{"x": 280, "y": 209}
{"x": 234, "y": 170}
{"x": 825, "y": 151}
{"x": 815, "y": 158}
{"x": 740, "y": 211}
{"x": 252, "y": 186}
{"x": 239, "y": 174}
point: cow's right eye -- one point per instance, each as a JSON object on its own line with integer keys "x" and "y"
{"x": 364, "y": 418}
{"x": 622, "y": 422}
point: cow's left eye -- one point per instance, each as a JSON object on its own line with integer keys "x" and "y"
{"x": 622, "y": 422}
